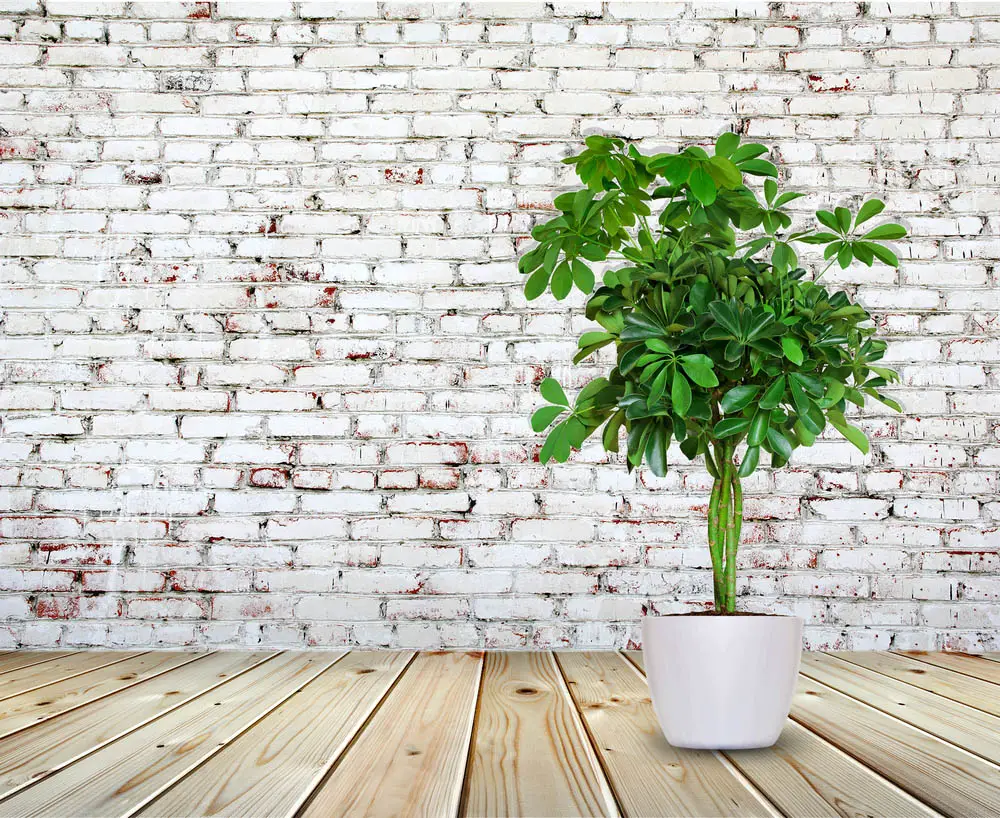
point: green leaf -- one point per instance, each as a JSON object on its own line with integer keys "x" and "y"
{"x": 775, "y": 392}
{"x": 591, "y": 338}
{"x": 749, "y": 151}
{"x": 530, "y": 260}
{"x": 758, "y": 428}
{"x": 562, "y": 281}
{"x": 556, "y": 446}
{"x": 827, "y": 219}
{"x": 536, "y": 284}
{"x": 583, "y": 276}
{"x": 542, "y": 418}
{"x": 659, "y": 384}
{"x": 552, "y": 256}
{"x": 727, "y": 427}
{"x": 758, "y": 167}
{"x": 610, "y": 435}
{"x": 656, "y": 450}
{"x": 726, "y": 316}
{"x": 883, "y": 254}
{"x": 785, "y": 198}
{"x": 888, "y": 401}
{"x": 749, "y": 463}
{"x": 701, "y": 294}
{"x": 792, "y": 349}
{"x": 845, "y": 256}
{"x": 779, "y": 444}
{"x": 680, "y": 394}
{"x": 738, "y": 398}
{"x": 885, "y": 232}
{"x": 724, "y": 173}
{"x": 696, "y": 368}
{"x": 553, "y": 392}
{"x": 852, "y": 433}
{"x": 843, "y": 218}
{"x": 702, "y": 185}
{"x": 726, "y": 144}
{"x": 868, "y": 210}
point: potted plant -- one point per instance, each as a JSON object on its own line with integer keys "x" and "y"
{"x": 725, "y": 346}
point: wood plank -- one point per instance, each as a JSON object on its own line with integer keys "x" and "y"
{"x": 26, "y": 658}
{"x": 649, "y": 776}
{"x": 804, "y": 775}
{"x": 124, "y": 774}
{"x": 36, "y": 706}
{"x": 972, "y": 729}
{"x": 940, "y": 774}
{"x": 65, "y": 667}
{"x": 976, "y": 666}
{"x": 411, "y": 758}
{"x": 274, "y": 764}
{"x": 50, "y": 745}
{"x": 956, "y": 686}
{"x": 530, "y": 753}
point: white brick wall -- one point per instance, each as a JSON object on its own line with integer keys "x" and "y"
{"x": 267, "y": 368}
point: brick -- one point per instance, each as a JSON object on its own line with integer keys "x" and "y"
{"x": 267, "y": 367}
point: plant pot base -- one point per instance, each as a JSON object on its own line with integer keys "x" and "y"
{"x": 721, "y": 682}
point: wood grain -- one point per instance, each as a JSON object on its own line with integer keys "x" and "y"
{"x": 977, "y": 666}
{"x": 936, "y": 772}
{"x": 30, "y": 708}
{"x": 964, "y": 726}
{"x": 275, "y": 763}
{"x": 64, "y": 667}
{"x": 531, "y": 756}
{"x": 649, "y": 776}
{"x": 955, "y": 686}
{"x": 123, "y": 775}
{"x": 48, "y": 746}
{"x": 411, "y": 758}
{"x": 804, "y": 775}
{"x": 26, "y": 658}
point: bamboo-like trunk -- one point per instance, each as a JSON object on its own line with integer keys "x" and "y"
{"x": 725, "y": 522}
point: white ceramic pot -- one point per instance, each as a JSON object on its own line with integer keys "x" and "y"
{"x": 721, "y": 682}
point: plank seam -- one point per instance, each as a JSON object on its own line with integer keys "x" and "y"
{"x": 888, "y": 782}
{"x": 91, "y": 750}
{"x": 470, "y": 735}
{"x": 920, "y": 658}
{"x": 194, "y": 658}
{"x": 469, "y": 758}
{"x": 74, "y": 675}
{"x": 724, "y": 760}
{"x": 591, "y": 740}
{"x": 918, "y": 687}
{"x": 314, "y": 787}
{"x": 51, "y": 658}
{"x": 607, "y": 791}
{"x": 229, "y": 740}
{"x": 897, "y": 719}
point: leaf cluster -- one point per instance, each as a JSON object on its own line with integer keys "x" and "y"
{"x": 720, "y": 336}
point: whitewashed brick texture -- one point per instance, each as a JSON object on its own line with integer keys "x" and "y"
{"x": 267, "y": 367}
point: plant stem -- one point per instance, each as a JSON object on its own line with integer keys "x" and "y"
{"x": 733, "y": 529}
{"x": 725, "y": 502}
{"x": 715, "y": 544}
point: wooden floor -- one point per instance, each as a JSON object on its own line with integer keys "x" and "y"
{"x": 439, "y": 734}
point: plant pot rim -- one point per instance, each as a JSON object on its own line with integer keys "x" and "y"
{"x": 715, "y": 615}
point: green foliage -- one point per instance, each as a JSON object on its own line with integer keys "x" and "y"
{"x": 720, "y": 336}
{"x": 721, "y": 341}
